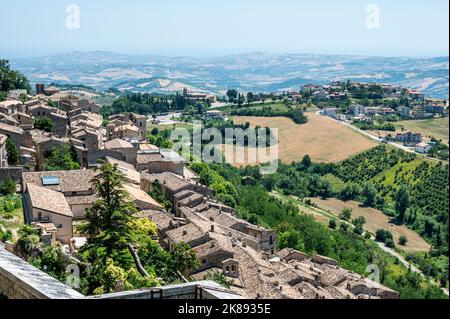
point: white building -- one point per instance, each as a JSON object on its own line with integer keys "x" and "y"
{"x": 356, "y": 109}
{"x": 424, "y": 147}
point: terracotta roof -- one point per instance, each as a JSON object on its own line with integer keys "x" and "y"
{"x": 69, "y": 181}
{"x": 168, "y": 180}
{"x": 10, "y": 128}
{"x": 118, "y": 143}
{"x": 48, "y": 200}
{"x": 211, "y": 247}
{"x": 223, "y": 219}
{"x": 186, "y": 233}
{"x": 138, "y": 194}
{"x": 128, "y": 169}
{"x": 143, "y": 158}
{"x": 81, "y": 200}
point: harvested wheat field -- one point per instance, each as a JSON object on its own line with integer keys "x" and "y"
{"x": 375, "y": 219}
{"x": 323, "y": 139}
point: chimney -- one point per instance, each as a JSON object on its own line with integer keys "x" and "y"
{"x": 211, "y": 219}
{"x": 184, "y": 232}
{"x": 212, "y": 228}
{"x": 213, "y": 244}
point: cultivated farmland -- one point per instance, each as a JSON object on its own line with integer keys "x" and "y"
{"x": 321, "y": 138}
{"x": 375, "y": 219}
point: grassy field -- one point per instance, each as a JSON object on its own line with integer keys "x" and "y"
{"x": 437, "y": 128}
{"x": 321, "y": 138}
{"x": 164, "y": 127}
{"x": 12, "y": 217}
{"x": 375, "y": 219}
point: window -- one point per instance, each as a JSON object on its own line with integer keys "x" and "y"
{"x": 59, "y": 226}
{"x": 39, "y": 216}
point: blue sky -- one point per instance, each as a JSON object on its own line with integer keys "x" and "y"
{"x": 220, "y": 27}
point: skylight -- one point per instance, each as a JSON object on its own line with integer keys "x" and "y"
{"x": 50, "y": 180}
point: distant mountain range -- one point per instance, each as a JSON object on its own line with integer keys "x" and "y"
{"x": 259, "y": 72}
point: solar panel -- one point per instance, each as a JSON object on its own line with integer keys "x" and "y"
{"x": 50, "y": 180}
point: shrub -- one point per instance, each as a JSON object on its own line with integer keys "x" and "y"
{"x": 403, "y": 240}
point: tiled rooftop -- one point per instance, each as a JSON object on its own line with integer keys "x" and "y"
{"x": 70, "y": 181}
{"x": 117, "y": 144}
{"x": 48, "y": 200}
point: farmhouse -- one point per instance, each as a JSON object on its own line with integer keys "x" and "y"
{"x": 424, "y": 147}
{"x": 409, "y": 137}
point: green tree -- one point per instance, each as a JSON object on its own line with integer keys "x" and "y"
{"x": 12, "y": 80}
{"x": 232, "y": 95}
{"x": 8, "y": 186}
{"x": 343, "y": 227}
{"x": 12, "y": 151}
{"x": 220, "y": 278}
{"x": 346, "y": 214}
{"x": 402, "y": 202}
{"x": 369, "y": 193}
{"x": 183, "y": 258}
{"x": 403, "y": 240}
{"x": 61, "y": 159}
{"x": 43, "y": 123}
{"x": 306, "y": 162}
{"x": 108, "y": 224}
{"x": 332, "y": 224}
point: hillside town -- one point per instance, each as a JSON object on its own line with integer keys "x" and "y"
{"x": 55, "y": 201}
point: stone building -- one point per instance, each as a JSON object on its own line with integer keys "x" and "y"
{"x": 43, "y": 205}
{"x": 88, "y": 106}
{"x": 75, "y": 186}
{"x": 128, "y": 151}
{"x": 15, "y": 133}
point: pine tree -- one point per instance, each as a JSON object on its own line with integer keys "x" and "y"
{"x": 109, "y": 227}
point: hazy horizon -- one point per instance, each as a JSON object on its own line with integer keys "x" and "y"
{"x": 181, "y": 53}
{"x": 217, "y": 28}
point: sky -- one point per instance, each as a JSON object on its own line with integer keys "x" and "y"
{"x": 222, "y": 27}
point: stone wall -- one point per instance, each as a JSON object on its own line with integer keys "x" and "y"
{"x": 162, "y": 166}
{"x": 20, "y": 280}
{"x": 191, "y": 290}
{"x": 14, "y": 173}
{"x": 94, "y": 155}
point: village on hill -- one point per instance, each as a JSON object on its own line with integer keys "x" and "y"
{"x": 43, "y": 129}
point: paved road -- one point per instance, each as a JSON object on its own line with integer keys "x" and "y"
{"x": 406, "y": 263}
{"x": 167, "y": 119}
